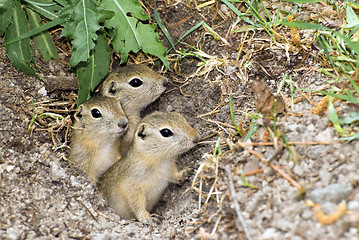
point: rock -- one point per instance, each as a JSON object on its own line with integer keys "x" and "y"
{"x": 57, "y": 171}
{"x": 74, "y": 182}
{"x": 333, "y": 193}
{"x": 270, "y": 233}
{"x": 42, "y": 91}
{"x": 325, "y": 136}
{"x": 13, "y": 233}
{"x": 251, "y": 166}
{"x": 324, "y": 175}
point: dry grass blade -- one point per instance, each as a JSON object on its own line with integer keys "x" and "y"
{"x": 235, "y": 203}
{"x": 54, "y": 117}
{"x": 89, "y": 211}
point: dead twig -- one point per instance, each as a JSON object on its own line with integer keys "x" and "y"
{"x": 83, "y": 204}
{"x": 209, "y": 136}
{"x": 269, "y": 143}
{"x": 235, "y": 202}
{"x": 212, "y": 188}
{"x": 107, "y": 217}
{"x": 280, "y": 172}
{"x": 219, "y": 123}
{"x": 289, "y": 143}
{"x": 209, "y": 113}
{"x": 254, "y": 172}
{"x": 180, "y": 22}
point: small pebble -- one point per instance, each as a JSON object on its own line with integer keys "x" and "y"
{"x": 307, "y": 214}
{"x": 270, "y": 233}
{"x": 298, "y": 170}
{"x": 353, "y": 205}
{"x": 42, "y": 91}
{"x": 332, "y": 193}
{"x": 241, "y": 197}
{"x": 324, "y": 175}
{"x": 13, "y": 233}
{"x": 325, "y": 136}
{"x": 74, "y": 182}
{"x": 57, "y": 171}
{"x": 9, "y": 168}
{"x": 224, "y": 9}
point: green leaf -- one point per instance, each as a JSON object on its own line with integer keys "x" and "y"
{"x": 352, "y": 19}
{"x": 333, "y": 117}
{"x": 239, "y": 14}
{"x": 130, "y": 34}
{"x": 349, "y": 97}
{"x": 353, "y": 83}
{"x": 252, "y": 128}
{"x": 303, "y": 1}
{"x": 90, "y": 74}
{"x": 187, "y": 33}
{"x": 246, "y": 184}
{"x": 345, "y": 58}
{"x": 355, "y": 5}
{"x": 150, "y": 42}
{"x": 232, "y": 115}
{"x": 351, "y": 138}
{"x": 43, "y": 40}
{"x": 354, "y": 46}
{"x": 35, "y": 31}
{"x": 163, "y": 27}
{"x": 62, "y": 2}
{"x": 84, "y": 22}
{"x": 19, "y": 52}
{"x": 2, "y": 3}
{"x": 325, "y": 45}
{"x": 46, "y": 8}
{"x": 304, "y": 25}
{"x": 5, "y": 15}
{"x": 353, "y": 117}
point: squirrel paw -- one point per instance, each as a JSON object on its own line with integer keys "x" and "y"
{"x": 153, "y": 219}
{"x": 179, "y": 175}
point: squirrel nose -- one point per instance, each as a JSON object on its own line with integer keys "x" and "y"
{"x": 123, "y": 123}
{"x": 164, "y": 81}
{"x": 196, "y": 140}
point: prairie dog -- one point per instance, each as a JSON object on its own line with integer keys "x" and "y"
{"x": 135, "y": 86}
{"x": 99, "y": 122}
{"x": 133, "y": 185}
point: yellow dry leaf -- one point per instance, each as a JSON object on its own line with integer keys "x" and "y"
{"x": 321, "y": 107}
{"x": 294, "y": 32}
{"x": 331, "y": 218}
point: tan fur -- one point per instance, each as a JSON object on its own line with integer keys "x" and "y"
{"x": 133, "y": 185}
{"x": 94, "y": 146}
{"x": 133, "y": 99}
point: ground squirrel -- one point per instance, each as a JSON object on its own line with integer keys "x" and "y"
{"x": 136, "y": 86}
{"x": 133, "y": 185}
{"x": 99, "y": 122}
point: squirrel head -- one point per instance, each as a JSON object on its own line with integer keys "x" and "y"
{"x": 135, "y": 86}
{"x": 166, "y": 133}
{"x": 101, "y": 115}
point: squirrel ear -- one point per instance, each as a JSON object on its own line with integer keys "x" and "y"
{"x": 112, "y": 89}
{"x": 78, "y": 114}
{"x": 141, "y": 132}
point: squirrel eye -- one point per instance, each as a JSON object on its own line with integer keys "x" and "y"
{"x": 166, "y": 132}
{"x": 96, "y": 113}
{"x": 135, "y": 82}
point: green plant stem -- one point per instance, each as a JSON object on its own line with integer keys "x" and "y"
{"x": 232, "y": 115}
